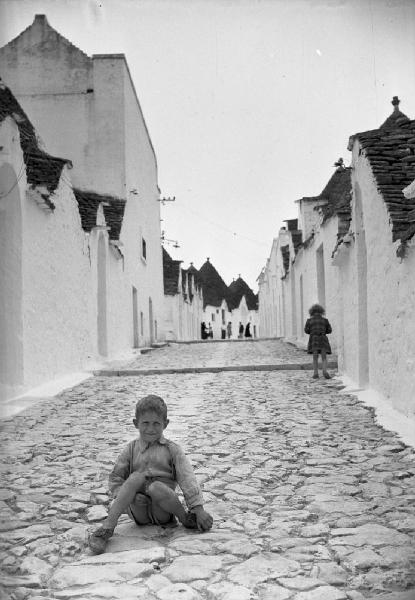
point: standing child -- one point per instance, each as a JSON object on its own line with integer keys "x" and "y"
{"x": 317, "y": 326}
{"x": 145, "y": 476}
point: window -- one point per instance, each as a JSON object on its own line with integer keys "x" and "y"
{"x": 223, "y": 316}
{"x": 213, "y": 317}
{"x": 141, "y": 323}
{"x": 143, "y": 249}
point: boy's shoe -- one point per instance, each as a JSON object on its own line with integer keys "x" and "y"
{"x": 326, "y": 375}
{"x": 315, "y": 376}
{"x": 190, "y": 521}
{"x": 97, "y": 540}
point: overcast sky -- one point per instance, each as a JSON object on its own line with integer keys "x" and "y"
{"x": 248, "y": 103}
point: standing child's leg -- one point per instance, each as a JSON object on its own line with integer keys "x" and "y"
{"x": 315, "y": 364}
{"x": 324, "y": 361}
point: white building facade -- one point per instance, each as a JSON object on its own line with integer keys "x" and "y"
{"x": 183, "y": 301}
{"x": 86, "y": 109}
{"x": 357, "y": 258}
{"x": 47, "y": 309}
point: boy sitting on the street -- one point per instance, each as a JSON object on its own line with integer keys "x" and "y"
{"x": 145, "y": 476}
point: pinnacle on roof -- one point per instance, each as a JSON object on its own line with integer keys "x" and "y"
{"x": 397, "y": 118}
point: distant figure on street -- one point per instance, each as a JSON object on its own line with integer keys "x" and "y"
{"x": 145, "y": 476}
{"x": 317, "y": 326}
{"x": 248, "y": 330}
{"x": 229, "y": 329}
{"x": 241, "y": 330}
{"x": 223, "y": 331}
{"x": 210, "y": 331}
{"x": 203, "y": 331}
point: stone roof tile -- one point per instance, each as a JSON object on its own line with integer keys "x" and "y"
{"x": 213, "y": 287}
{"x": 390, "y": 151}
{"x": 41, "y": 168}
{"x": 237, "y": 290}
{"x": 88, "y": 203}
{"x": 285, "y": 251}
{"x": 171, "y": 271}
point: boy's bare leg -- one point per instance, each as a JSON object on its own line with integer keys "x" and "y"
{"x": 315, "y": 364}
{"x": 165, "y": 502}
{"x": 126, "y": 494}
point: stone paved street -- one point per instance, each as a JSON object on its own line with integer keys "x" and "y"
{"x": 312, "y": 499}
{"x": 209, "y": 354}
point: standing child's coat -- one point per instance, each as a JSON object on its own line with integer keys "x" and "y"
{"x": 317, "y": 327}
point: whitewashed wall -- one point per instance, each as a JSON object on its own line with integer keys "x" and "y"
{"x": 56, "y": 279}
{"x": 310, "y": 287}
{"x": 182, "y": 317}
{"x": 52, "y": 314}
{"x": 142, "y": 215}
{"x": 213, "y": 315}
{"x": 386, "y": 362}
{"x": 86, "y": 109}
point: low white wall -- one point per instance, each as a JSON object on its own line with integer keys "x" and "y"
{"x": 57, "y": 291}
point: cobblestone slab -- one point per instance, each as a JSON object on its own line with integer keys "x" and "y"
{"x": 312, "y": 499}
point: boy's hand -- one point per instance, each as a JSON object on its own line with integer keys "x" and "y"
{"x": 204, "y": 519}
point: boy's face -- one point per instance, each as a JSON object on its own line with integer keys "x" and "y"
{"x": 150, "y": 425}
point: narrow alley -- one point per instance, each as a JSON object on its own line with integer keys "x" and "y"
{"x": 311, "y": 498}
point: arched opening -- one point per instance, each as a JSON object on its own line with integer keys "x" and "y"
{"x": 102, "y": 296}
{"x": 11, "y": 283}
{"x": 362, "y": 316}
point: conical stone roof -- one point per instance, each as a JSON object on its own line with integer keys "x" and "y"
{"x": 213, "y": 286}
{"x": 237, "y": 290}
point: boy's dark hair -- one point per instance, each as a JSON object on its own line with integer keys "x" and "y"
{"x": 151, "y": 402}
{"x": 316, "y": 309}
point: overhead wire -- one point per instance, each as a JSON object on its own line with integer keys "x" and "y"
{"x": 18, "y": 178}
{"x": 235, "y": 234}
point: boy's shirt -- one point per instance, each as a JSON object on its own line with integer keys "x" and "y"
{"x": 164, "y": 460}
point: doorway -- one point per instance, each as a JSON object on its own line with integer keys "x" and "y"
{"x": 293, "y": 306}
{"x": 136, "y": 338}
{"x": 151, "y": 322}
{"x": 362, "y": 312}
{"x": 321, "y": 276}
{"x": 11, "y": 283}
{"x": 102, "y": 296}
{"x": 301, "y": 305}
